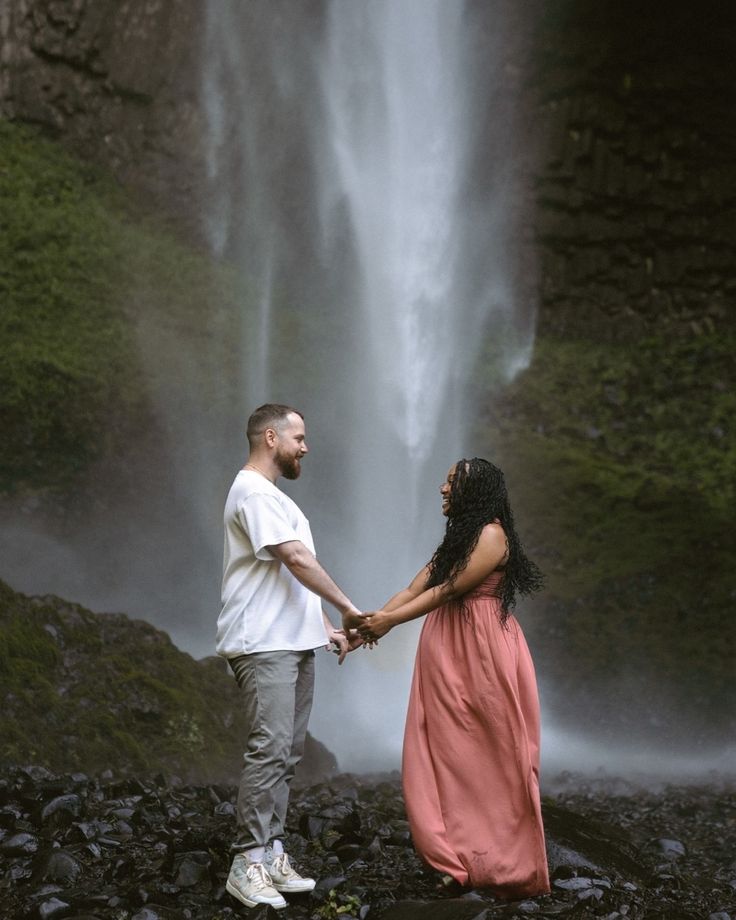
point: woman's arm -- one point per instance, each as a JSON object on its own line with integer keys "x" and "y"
{"x": 414, "y": 589}
{"x": 489, "y": 551}
{"x": 406, "y": 594}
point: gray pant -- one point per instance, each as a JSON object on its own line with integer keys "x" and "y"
{"x": 277, "y": 690}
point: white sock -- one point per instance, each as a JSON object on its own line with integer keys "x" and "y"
{"x": 255, "y": 854}
{"x": 277, "y": 847}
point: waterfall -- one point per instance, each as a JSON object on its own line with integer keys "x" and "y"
{"x": 359, "y": 158}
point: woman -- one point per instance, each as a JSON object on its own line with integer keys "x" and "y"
{"x": 470, "y": 767}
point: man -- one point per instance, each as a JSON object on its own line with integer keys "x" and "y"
{"x": 271, "y": 623}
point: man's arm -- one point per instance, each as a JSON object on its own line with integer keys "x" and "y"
{"x": 304, "y": 566}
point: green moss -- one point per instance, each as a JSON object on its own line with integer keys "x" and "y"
{"x": 84, "y": 277}
{"x": 615, "y": 457}
{"x": 66, "y": 357}
{"x": 87, "y": 691}
{"x": 621, "y": 462}
{"x": 28, "y": 641}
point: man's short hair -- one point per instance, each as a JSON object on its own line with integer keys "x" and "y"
{"x": 269, "y": 415}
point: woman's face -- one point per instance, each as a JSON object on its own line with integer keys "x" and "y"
{"x": 446, "y": 489}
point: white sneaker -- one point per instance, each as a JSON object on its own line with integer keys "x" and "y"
{"x": 284, "y": 876}
{"x": 251, "y": 884}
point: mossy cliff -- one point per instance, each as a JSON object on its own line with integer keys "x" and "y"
{"x": 86, "y": 277}
{"x": 622, "y": 460}
{"x": 619, "y": 437}
{"x": 85, "y": 691}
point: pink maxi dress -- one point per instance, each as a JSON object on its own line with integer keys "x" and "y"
{"x": 470, "y": 768}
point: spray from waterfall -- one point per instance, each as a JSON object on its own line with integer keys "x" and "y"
{"x": 347, "y": 168}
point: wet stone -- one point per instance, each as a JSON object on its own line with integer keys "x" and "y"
{"x": 191, "y": 869}
{"x": 671, "y": 849}
{"x": 574, "y": 884}
{"x": 9, "y": 816}
{"x": 326, "y": 884}
{"x": 590, "y": 894}
{"x": 147, "y": 913}
{"x": 23, "y": 844}
{"x": 53, "y": 908}
{"x": 125, "y": 813}
{"x": 225, "y": 809}
{"x": 62, "y": 867}
{"x": 451, "y": 909}
{"x": 63, "y": 809}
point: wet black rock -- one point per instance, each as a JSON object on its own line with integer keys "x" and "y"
{"x": 148, "y": 848}
{"x": 61, "y": 866}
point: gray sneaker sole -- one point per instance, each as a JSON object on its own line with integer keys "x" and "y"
{"x": 231, "y": 889}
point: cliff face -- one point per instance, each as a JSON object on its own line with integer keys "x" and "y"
{"x": 629, "y": 117}
{"x": 634, "y": 184}
{"x": 118, "y": 82}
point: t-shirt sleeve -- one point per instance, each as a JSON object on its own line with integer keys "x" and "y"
{"x": 266, "y": 523}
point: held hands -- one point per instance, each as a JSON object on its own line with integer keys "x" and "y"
{"x": 374, "y": 625}
{"x": 352, "y": 619}
{"x": 361, "y": 629}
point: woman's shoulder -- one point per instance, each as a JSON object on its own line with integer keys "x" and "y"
{"x": 493, "y": 531}
{"x": 492, "y": 541}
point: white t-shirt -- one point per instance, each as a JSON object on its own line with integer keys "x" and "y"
{"x": 264, "y": 608}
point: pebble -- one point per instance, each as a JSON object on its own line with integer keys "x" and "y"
{"x": 672, "y": 849}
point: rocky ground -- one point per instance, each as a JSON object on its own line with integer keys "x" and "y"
{"x": 73, "y": 846}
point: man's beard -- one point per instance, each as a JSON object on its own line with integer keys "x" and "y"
{"x": 289, "y": 467}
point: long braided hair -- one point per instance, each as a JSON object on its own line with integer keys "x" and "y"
{"x": 478, "y": 497}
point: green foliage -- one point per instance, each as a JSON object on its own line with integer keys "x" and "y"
{"x": 26, "y": 640}
{"x": 659, "y": 409}
{"x": 338, "y": 905}
{"x": 621, "y": 461}
{"x": 615, "y": 446}
{"x": 66, "y": 362}
{"x": 84, "y": 281}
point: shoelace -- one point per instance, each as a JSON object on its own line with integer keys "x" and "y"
{"x": 257, "y": 874}
{"x": 282, "y": 866}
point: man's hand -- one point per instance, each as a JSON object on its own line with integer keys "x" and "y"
{"x": 343, "y": 643}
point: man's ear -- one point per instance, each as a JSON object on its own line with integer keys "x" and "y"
{"x": 269, "y": 436}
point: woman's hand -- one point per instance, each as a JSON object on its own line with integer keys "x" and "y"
{"x": 352, "y": 619}
{"x": 375, "y": 625}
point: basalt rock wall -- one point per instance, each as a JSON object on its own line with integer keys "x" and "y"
{"x": 117, "y": 82}
{"x": 634, "y": 184}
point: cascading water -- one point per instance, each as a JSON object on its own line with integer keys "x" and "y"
{"x": 350, "y": 185}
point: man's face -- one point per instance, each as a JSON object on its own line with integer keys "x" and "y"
{"x": 291, "y": 447}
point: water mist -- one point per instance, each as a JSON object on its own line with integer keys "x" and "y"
{"x": 344, "y": 160}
